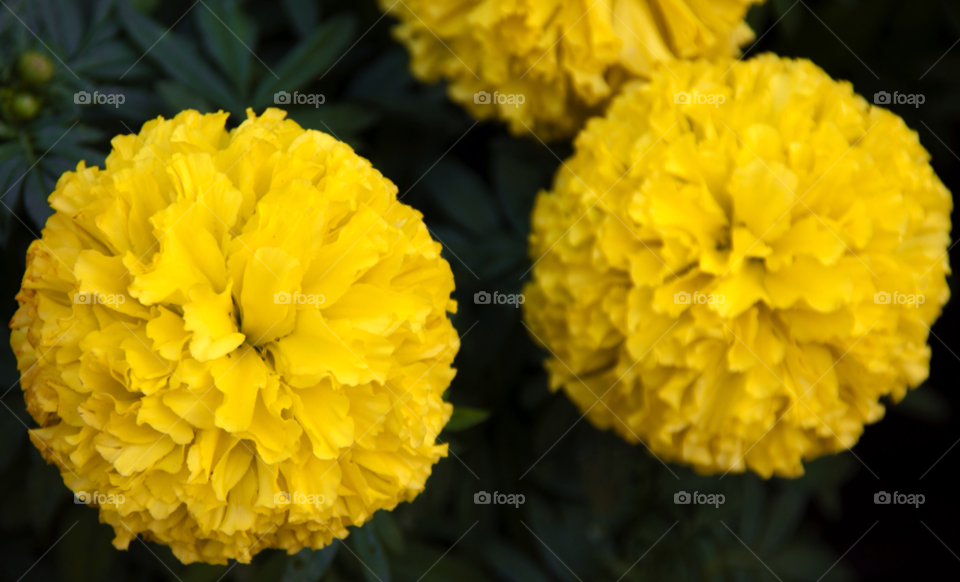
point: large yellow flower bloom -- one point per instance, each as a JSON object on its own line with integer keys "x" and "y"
{"x": 565, "y": 58}
{"x": 738, "y": 262}
{"x": 235, "y": 340}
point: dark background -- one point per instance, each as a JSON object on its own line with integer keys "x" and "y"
{"x": 596, "y": 508}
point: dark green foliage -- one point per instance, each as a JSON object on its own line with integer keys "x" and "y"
{"x": 595, "y": 508}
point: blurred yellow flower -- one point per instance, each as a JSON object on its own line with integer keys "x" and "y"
{"x": 547, "y": 65}
{"x": 235, "y": 340}
{"x": 738, "y": 262}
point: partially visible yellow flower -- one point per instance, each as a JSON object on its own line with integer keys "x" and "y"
{"x": 738, "y": 262}
{"x": 565, "y": 59}
{"x": 235, "y": 340}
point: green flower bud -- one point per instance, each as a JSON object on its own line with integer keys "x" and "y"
{"x": 25, "y": 106}
{"x": 35, "y": 68}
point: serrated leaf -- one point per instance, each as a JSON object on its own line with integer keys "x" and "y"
{"x": 308, "y": 60}
{"x": 63, "y": 23}
{"x": 177, "y": 56}
{"x": 310, "y": 565}
{"x": 464, "y": 417}
{"x": 104, "y": 60}
{"x": 373, "y": 559}
{"x": 229, "y": 36}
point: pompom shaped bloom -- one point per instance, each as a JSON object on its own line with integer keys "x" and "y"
{"x": 738, "y": 262}
{"x": 235, "y": 340}
{"x": 546, "y": 65}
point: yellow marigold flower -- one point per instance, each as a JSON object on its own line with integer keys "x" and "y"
{"x": 235, "y": 340}
{"x": 563, "y": 59}
{"x": 738, "y": 262}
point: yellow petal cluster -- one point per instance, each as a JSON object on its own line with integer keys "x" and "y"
{"x": 242, "y": 335}
{"x": 566, "y": 58}
{"x": 737, "y": 284}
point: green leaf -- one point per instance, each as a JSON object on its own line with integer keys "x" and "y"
{"x": 302, "y": 14}
{"x": 374, "y": 565}
{"x": 62, "y": 20}
{"x": 177, "y": 56}
{"x": 511, "y": 564}
{"x": 180, "y": 97}
{"x": 269, "y": 568}
{"x": 105, "y": 60}
{"x": 310, "y": 58}
{"x": 462, "y": 195}
{"x": 784, "y": 516}
{"x": 464, "y": 417}
{"x": 35, "y": 199}
{"x": 343, "y": 121}
{"x": 422, "y": 563}
{"x": 924, "y": 403}
{"x": 309, "y": 565}
{"x": 519, "y": 172}
{"x": 229, "y": 36}
{"x": 199, "y": 572}
{"x": 11, "y": 171}
{"x": 388, "y": 531}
